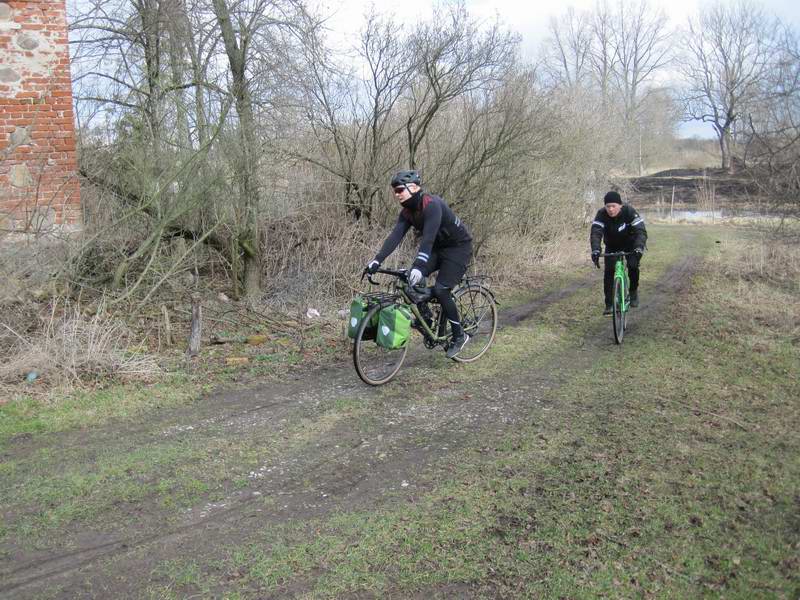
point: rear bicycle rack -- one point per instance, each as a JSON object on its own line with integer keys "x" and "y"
{"x": 380, "y": 298}
{"x": 477, "y": 279}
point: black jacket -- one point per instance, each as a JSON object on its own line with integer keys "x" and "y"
{"x": 624, "y": 232}
{"x": 431, "y": 216}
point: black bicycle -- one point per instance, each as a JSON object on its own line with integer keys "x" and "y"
{"x": 477, "y": 307}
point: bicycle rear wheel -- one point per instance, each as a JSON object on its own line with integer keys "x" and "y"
{"x": 374, "y": 364}
{"x": 618, "y": 313}
{"x": 478, "y": 312}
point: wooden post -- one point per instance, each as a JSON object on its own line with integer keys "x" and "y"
{"x": 713, "y": 194}
{"x": 672, "y": 205}
{"x": 197, "y": 318}
{"x": 167, "y": 326}
{"x": 197, "y": 327}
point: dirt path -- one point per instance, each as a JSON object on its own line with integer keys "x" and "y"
{"x": 393, "y": 454}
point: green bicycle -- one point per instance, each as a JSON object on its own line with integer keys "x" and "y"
{"x": 621, "y": 293}
{"x": 476, "y": 304}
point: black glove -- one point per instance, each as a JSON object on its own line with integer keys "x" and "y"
{"x": 639, "y": 251}
{"x": 596, "y": 259}
{"x": 373, "y": 266}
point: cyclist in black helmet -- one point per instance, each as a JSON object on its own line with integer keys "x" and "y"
{"x": 446, "y": 246}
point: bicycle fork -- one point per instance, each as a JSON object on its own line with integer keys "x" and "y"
{"x": 621, "y": 275}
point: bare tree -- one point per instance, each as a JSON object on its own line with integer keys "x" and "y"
{"x": 237, "y": 39}
{"x": 774, "y": 126}
{"x": 729, "y": 52}
{"x": 614, "y": 52}
{"x": 258, "y": 36}
{"x": 568, "y": 49}
{"x": 603, "y": 55}
{"x": 408, "y": 85}
{"x": 455, "y": 57}
{"x": 354, "y": 117}
{"x": 640, "y": 38}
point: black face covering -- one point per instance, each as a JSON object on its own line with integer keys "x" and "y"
{"x": 413, "y": 202}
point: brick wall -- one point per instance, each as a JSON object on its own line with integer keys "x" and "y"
{"x": 38, "y": 183}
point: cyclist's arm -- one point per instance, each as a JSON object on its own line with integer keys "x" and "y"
{"x": 394, "y": 239}
{"x": 596, "y": 233}
{"x": 432, "y": 215}
{"x": 637, "y": 227}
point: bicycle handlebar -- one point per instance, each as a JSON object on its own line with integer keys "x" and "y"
{"x": 402, "y": 274}
{"x": 615, "y": 254}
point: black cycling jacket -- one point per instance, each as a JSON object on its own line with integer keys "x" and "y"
{"x": 624, "y": 232}
{"x": 439, "y": 225}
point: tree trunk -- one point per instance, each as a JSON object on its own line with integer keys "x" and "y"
{"x": 722, "y": 134}
{"x": 246, "y": 167}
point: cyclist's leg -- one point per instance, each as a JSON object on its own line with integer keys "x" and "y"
{"x": 430, "y": 267}
{"x": 633, "y": 271}
{"x": 608, "y": 279}
{"x": 453, "y": 265}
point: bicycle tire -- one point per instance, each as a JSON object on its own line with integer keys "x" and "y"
{"x": 618, "y": 314}
{"x": 374, "y": 364}
{"x": 478, "y": 312}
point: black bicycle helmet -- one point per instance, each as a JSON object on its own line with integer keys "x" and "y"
{"x": 405, "y": 177}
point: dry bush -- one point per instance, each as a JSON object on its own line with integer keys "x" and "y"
{"x": 706, "y": 194}
{"x": 316, "y": 258}
{"x": 515, "y": 261}
{"x": 314, "y": 254}
{"x": 70, "y": 348}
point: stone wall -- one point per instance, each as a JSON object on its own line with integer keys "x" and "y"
{"x": 38, "y": 168}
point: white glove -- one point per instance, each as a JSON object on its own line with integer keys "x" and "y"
{"x": 414, "y": 277}
{"x": 372, "y": 267}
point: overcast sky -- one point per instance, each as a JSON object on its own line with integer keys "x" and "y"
{"x": 529, "y": 19}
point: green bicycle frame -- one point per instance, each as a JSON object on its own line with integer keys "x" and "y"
{"x": 415, "y": 310}
{"x": 621, "y": 274}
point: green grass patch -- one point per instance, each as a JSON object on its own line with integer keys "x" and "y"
{"x": 89, "y": 408}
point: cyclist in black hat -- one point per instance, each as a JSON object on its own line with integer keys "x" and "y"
{"x": 446, "y": 246}
{"x": 622, "y": 230}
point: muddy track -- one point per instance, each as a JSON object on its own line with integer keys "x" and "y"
{"x": 347, "y": 468}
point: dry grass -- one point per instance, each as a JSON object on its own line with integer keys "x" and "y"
{"x": 764, "y": 277}
{"x": 515, "y": 260}
{"x": 313, "y": 259}
{"x": 317, "y": 260}
{"x": 706, "y": 194}
{"x": 71, "y": 348}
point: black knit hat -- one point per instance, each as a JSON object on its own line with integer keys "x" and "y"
{"x": 612, "y": 198}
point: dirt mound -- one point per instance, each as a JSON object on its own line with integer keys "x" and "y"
{"x": 688, "y": 184}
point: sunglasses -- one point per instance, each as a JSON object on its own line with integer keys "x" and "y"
{"x": 399, "y": 190}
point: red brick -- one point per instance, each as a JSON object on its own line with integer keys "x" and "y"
{"x": 42, "y": 101}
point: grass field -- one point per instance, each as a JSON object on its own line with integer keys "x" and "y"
{"x": 668, "y": 467}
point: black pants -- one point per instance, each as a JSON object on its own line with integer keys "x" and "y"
{"x": 608, "y": 275}
{"x": 452, "y": 264}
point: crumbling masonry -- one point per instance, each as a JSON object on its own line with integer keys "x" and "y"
{"x": 38, "y": 168}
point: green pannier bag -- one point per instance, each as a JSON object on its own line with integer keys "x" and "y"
{"x": 358, "y": 311}
{"x": 394, "y": 326}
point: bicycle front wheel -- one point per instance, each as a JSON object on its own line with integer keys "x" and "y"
{"x": 618, "y": 312}
{"x": 478, "y": 312}
{"x": 374, "y": 364}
